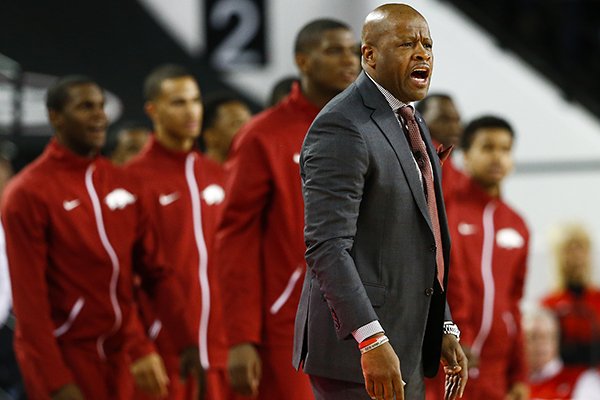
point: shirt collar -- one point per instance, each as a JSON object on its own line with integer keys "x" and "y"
{"x": 394, "y": 103}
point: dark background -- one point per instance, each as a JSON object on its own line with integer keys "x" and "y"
{"x": 559, "y": 38}
{"x": 115, "y": 42}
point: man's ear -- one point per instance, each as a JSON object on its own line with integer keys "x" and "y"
{"x": 302, "y": 61}
{"x": 55, "y": 119}
{"x": 369, "y": 55}
{"x": 150, "y": 109}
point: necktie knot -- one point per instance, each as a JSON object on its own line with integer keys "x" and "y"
{"x": 406, "y": 112}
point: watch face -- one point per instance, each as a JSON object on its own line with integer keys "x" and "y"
{"x": 451, "y": 329}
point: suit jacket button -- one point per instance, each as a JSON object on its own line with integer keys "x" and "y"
{"x": 428, "y": 291}
{"x": 432, "y": 248}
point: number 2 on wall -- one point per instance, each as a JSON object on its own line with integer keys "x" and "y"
{"x": 232, "y": 51}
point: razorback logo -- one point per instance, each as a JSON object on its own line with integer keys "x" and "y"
{"x": 213, "y": 194}
{"x": 118, "y": 199}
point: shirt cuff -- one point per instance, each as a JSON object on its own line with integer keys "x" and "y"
{"x": 367, "y": 330}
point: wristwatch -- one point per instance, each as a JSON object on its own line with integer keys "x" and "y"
{"x": 450, "y": 328}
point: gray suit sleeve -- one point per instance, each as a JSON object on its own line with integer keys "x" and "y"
{"x": 334, "y": 165}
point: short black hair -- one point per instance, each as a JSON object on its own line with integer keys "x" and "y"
{"x": 57, "y": 95}
{"x": 311, "y": 33}
{"x": 281, "y": 89}
{"x": 421, "y": 106}
{"x": 131, "y": 125}
{"x": 483, "y": 122}
{"x": 160, "y": 74}
{"x": 212, "y": 104}
{"x": 125, "y": 125}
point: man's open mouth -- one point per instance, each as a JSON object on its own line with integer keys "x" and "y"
{"x": 420, "y": 74}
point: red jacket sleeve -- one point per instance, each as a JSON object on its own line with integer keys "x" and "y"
{"x": 159, "y": 282}
{"x": 239, "y": 240}
{"x": 518, "y": 371}
{"x": 25, "y": 221}
{"x": 459, "y": 288}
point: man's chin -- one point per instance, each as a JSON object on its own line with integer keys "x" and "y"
{"x": 420, "y": 94}
{"x": 191, "y": 135}
{"x": 184, "y": 133}
{"x": 97, "y": 146}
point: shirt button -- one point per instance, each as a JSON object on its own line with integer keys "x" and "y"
{"x": 428, "y": 291}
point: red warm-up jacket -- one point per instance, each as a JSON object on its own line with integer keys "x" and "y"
{"x": 75, "y": 230}
{"x": 185, "y": 196}
{"x": 260, "y": 242}
{"x": 579, "y": 318}
{"x": 489, "y": 263}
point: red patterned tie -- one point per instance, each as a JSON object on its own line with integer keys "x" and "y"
{"x": 419, "y": 150}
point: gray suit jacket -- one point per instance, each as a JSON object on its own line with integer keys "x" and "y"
{"x": 370, "y": 245}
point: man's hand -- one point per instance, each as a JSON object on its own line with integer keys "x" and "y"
{"x": 518, "y": 391}
{"x": 190, "y": 364}
{"x": 455, "y": 367}
{"x": 150, "y": 375}
{"x": 245, "y": 369}
{"x": 68, "y": 392}
{"x": 381, "y": 369}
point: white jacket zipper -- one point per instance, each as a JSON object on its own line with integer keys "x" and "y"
{"x": 89, "y": 184}
{"x": 203, "y": 262}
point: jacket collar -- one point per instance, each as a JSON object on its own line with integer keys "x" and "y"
{"x": 156, "y": 148}
{"x": 476, "y": 192}
{"x": 60, "y": 153}
{"x": 300, "y": 103}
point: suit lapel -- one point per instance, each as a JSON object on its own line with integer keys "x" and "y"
{"x": 384, "y": 118}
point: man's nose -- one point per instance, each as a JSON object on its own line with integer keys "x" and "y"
{"x": 100, "y": 113}
{"x": 193, "y": 108}
{"x": 422, "y": 53}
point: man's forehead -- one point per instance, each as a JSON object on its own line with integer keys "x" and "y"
{"x": 84, "y": 88}
{"x": 412, "y": 25}
{"x": 179, "y": 87}
{"x": 406, "y": 24}
{"x": 335, "y": 36}
{"x": 85, "y": 91}
{"x": 441, "y": 103}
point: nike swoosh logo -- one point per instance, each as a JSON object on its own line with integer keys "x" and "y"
{"x": 166, "y": 199}
{"x": 71, "y": 204}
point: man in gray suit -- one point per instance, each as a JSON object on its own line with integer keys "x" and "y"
{"x": 376, "y": 230}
